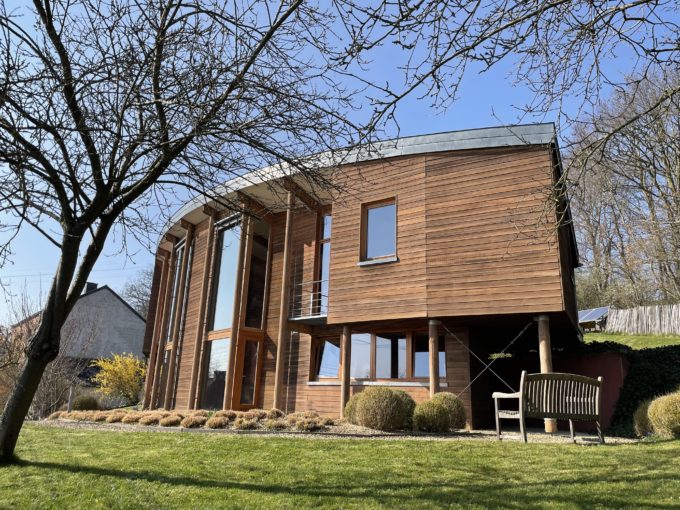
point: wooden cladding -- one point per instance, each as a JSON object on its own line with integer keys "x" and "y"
{"x": 475, "y": 236}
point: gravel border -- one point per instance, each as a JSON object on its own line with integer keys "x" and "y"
{"x": 343, "y": 431}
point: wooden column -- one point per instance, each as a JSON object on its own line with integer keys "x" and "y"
{"x": 284, "y": 334}
{"x": 434, "y": 357}
{"x": 163, "y": 333}
{"x": 157, "y": 326}
{"x": 202, "y": 308}
{"x": 230, "y": 397}
{"x": 346, "y": 353}
{"x": 177, "y": 319}
{"x": 545, "y": 354}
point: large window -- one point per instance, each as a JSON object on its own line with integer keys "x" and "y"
{"x": 216, "y": 377}
{"x": 382, "y": 356}
{"x": 379, "y": 230}
{"x": 421, "y": 356}
{"x": 229, "y": 239}
{"x": 257, "y": 280}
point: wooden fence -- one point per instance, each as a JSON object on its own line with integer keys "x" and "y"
{"x": 645, "y": 320}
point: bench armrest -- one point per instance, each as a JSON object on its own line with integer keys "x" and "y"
{"x": 498, "y": 394}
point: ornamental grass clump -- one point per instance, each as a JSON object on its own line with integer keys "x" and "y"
{"x": 170, "y": 421}
{"x": 228, "y": 414}
{"x": 55, "y": 416}
{"x": 455, "y": 407}
{"x": 275, "y": 424}
{"x": 116, "y": 417}
{"x": 193, "y": 421}
{"x": 641, "y": 423}
{"x": 100, "y": 416}
{"x": 242, "y": 423}
{"x": 132, "y": 417}
{"x": 381, "y": 408}
{"x": 275, "y": 414}
{"x": 217, "y": 422}
{"x": 150, "y": 418}
{"x": 664, "y": 415}
{"x": 197, "y": 412}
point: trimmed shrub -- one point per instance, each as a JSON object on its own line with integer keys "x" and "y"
{"x": 55, "y": 415}
{"x": 382, "y": 408}
{"x": 432, "y": 416}
{"x": 455, "y": 407}
{"x": 150, "y": 418}
{"x": 641, "y": 423}
{"x": 409, "y": 405}
{"x": 245, "y": 424}
{"x": 351, "y": 407}
{"x": 275, "y": 414}
{"x": 170, "y": 421}
{"x": 193, "y": 421}
{"x": 664, "y": 415}
{"x": 132, "y": 417}
{"x": 217, "y": 422}
{"x": 116, "y": 417}
{"x": 275, "y": 424}
{"x": 85, "y": 403}
{"x": 228, "y": 414}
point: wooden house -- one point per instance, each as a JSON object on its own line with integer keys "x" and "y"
{"x": 443, "y": 248}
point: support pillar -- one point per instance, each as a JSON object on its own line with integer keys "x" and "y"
{"x": 434, "y": 356}
{"x": 545, "y": 354}
{"x": 284, "y": 334}
{"x": 346, "y": 353}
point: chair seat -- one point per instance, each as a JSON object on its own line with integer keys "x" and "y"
{"x": 503, "y": 413}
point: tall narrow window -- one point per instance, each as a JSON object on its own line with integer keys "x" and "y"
{"x": 421, "y": 356}
{"x": 327, "y": 359}
{"x": 257, "y": 279}
{"x": 379, "y": 230}
{"x": 324, "y": 265}
{"x": 179, "y": 256}
{"x": 216, "y": 376}
{"x": 249, "y": 376}
{"x": 390, "y": 356}
{"x": 182, "y": 317}
{"x": 229, "y": 239}
{"x": 360, "y": 365}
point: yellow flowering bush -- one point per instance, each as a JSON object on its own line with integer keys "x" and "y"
{"x": 120, "y": 376}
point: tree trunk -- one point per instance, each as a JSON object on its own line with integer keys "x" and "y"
{"x": 18, "y": 405}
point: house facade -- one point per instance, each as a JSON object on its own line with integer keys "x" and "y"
{"x": 442, "y": 249}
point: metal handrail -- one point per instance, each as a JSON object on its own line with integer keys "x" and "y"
{"x": 308, "y": 299}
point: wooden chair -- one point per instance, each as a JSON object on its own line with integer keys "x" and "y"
{"x": 553, "y": 396}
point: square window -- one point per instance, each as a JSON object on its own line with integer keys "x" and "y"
{"x": 390, "y": 356}
{"x": 379, "y": 230}
{"x": 421, "y": 356}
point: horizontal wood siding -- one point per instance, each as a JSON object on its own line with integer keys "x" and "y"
{"x": 491, "y": 243}
{"x": 386, "y": 291}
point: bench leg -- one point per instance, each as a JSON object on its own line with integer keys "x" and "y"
{"x": 571, "y": 429}
{"x": 498, "y": 420}
{"x": 599, "y": 432}
{"x": 522, "y": 426}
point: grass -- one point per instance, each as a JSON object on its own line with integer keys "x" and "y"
{"x": 634, "y": 341}
{"x": 61, "y": 468}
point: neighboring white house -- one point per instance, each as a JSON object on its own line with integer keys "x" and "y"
{"x": 101, "y": 324}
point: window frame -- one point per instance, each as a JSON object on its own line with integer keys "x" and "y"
{"x": 363, "y": 248}
{"x": 409, "y": 334}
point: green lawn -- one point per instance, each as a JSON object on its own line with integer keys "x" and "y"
{"x": 634, "y": 341}
{"x": 86, "y": 469}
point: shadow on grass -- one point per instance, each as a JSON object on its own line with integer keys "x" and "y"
{"x": 491, "y": 488}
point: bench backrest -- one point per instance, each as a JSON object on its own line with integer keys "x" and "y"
{"x": 560, "y": 396}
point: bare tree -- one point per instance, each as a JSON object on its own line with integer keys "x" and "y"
{"x": 628, "y": 196}
{"x": 137, "y": 291}
{"x": 107, "y": 105}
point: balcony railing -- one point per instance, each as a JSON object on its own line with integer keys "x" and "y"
{"x": 309, "y": 300}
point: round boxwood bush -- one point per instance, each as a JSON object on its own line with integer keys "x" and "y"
{"x": 455, "y": 407}
{"x": 641, "y": 423}
{"x": 85, "y": 403}
{"x": 380, "y": 408}
{"x": 432, "y": 416}
{"x": 664, "y": 415}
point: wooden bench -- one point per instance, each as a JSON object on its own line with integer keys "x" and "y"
{"x": 553, "y": 396}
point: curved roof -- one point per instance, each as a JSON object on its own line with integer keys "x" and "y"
{"x": 481, "y": 138}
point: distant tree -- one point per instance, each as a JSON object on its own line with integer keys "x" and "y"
{"x": 106, "y": 106}
{"x": 137, "y": 291}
